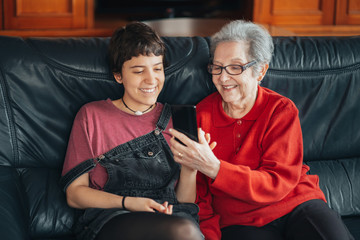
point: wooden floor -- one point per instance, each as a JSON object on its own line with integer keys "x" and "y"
{"x": 104, "y": 27}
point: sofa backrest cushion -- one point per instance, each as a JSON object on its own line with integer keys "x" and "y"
{"x": 322, "y": 76}
{"x": 43, "y": 83}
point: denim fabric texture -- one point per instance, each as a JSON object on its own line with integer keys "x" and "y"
{"x": 142, "y": 167}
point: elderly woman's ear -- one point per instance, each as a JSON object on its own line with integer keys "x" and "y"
{"x": 263, "y": 71}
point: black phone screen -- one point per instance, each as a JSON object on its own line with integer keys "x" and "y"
{"x": 184, "y": 120}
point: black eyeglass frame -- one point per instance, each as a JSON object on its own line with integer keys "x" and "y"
{"x": 243, "y": 68}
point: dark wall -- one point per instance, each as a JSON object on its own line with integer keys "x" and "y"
{"x": 145, "y": 9}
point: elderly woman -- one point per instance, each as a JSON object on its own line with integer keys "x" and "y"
{"x": 253, "y": 184}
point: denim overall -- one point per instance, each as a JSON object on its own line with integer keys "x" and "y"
{"x": 142, "y": 167}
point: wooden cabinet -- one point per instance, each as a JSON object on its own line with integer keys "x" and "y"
{"x": 46, "y": 14}
{"x": 348, "y": 12}
{"x": 1, "y": 21}
{"x": 307, "y": 12}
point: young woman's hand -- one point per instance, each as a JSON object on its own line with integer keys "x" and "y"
{"x": 168, "y": 208}
{"x": 147, "y": 205}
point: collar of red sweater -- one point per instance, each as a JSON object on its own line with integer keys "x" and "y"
{"x": 221, "y": 119}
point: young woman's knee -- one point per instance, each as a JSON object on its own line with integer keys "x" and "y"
{"x": 186, "y": 230}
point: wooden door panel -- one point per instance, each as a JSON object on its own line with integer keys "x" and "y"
{"x": 43, "y": 7}
{"x": 295, "y": 12}
{"x": 348, "y": 12}
{"x": 1, "y": 15}
{"x": 295, "y": 6}
{"x": 44, "y": 14}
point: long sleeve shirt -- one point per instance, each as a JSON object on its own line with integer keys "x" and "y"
{"x": 262, "y": 176}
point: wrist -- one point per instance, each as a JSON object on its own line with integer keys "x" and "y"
{"x": 187, "y": 170}
{"x": 123, "y": 203}
{"x": 214, "y": 169}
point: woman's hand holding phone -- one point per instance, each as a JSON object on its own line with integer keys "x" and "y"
{"x": 195, "y": 155}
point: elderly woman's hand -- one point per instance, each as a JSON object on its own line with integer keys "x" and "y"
{"x": 195, "y": 155}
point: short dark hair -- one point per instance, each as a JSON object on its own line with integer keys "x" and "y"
{"x": 134, "y": 39}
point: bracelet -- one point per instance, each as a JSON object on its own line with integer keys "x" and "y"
{"x": 123, "y": 203}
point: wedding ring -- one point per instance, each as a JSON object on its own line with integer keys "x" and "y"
{"x": 180, "y": 155}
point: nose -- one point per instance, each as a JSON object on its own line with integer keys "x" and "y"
{"x": 151, "y": 77}
{"x": 224, "y": 76}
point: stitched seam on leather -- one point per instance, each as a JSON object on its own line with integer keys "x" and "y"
{"x": 184, "y": 61}
{"x": 334, "y": 71}
{"x": 71, "y": 71}
{"x": 350, "y": 183}
{"x": 100, "y": 76}
{"x": 10, "y": 117}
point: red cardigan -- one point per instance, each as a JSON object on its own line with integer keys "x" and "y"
{"x": 262, "y": 176}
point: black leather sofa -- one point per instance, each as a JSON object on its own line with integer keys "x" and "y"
{"x": 43, "y": 82}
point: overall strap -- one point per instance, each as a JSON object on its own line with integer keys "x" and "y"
{"x": 89, "y": 164}
{"x": 164, "y": 117}
{"x": 75, "y": 172}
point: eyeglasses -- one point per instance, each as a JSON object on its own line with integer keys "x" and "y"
{"x": 232, "y": 69}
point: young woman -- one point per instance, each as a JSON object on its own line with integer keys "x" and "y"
{"x": 119, "y": 167}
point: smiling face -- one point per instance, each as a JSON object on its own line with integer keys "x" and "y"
{"x": 143, "y": 78}
{"x": 238, "y": 91}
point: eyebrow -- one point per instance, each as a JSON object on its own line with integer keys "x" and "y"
{"x": 142, "y": 66}
{"x": 232, "y": 60}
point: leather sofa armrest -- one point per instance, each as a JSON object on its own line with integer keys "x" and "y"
{"x": 13, "y": 217}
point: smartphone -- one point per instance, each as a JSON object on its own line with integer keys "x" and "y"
{"x": 184, "y": 120}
